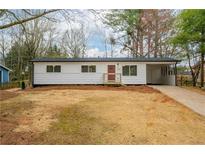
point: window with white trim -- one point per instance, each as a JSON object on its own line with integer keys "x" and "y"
{"x": 129, "y": 70}
{"x": 57, "y": 68}
{"x": 88, "y": 68}
{"x": 51, "y": 68}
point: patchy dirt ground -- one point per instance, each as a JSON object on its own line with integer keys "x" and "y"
{"x": 98, "y": 115}
{"x": 7, "y": 94}
{"x": 141, "y": 89}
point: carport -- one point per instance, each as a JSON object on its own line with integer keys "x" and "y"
{"x": 161, "y": 74}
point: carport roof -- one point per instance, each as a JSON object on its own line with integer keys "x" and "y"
{"x": 140, "y": 59}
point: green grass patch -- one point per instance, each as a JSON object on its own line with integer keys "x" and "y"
{"x": 75, "y": 125}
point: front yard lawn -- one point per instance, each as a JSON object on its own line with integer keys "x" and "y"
{"x": 98, "y": 115}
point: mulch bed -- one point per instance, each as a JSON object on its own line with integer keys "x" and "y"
{"x": 138, "y": 88}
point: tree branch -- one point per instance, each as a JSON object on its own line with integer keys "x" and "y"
{"x": 26, "y": 20}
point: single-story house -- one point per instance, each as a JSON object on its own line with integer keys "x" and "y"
{"x": 51, "y": 71}
{"x": 4, "y": 74}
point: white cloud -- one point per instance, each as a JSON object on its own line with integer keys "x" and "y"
{"x": 95, "y": 52}
{"x": 92, "y": 22}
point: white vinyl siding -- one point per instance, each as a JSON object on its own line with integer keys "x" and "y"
{"x": 140, "y": 78}
{"x": 71, "y": 73}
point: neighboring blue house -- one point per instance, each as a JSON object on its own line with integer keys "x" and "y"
{"x": 4, "y": 74}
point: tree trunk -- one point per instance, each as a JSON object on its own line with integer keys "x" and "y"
{"x": 193, "y": 81}
{"x": 141, "y": 44}
{"x": 202, "y": 69}
{"x": 149, "y": 45}
{"x": 136, "y": 43}
{"x": 202, "y": 57}
{"x": 156, "y": 39}
{"x": 192, "y": 72}
{"x": 140, "y": 29}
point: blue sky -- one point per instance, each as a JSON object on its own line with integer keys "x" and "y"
{"x": 96, "y": 41}
{"x": 96, "y": 47}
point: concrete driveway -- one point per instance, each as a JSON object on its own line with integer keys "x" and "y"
{"x": 191, "y": 99}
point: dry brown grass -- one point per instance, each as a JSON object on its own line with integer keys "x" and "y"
{"x": 74, "y": 116}
{"x": 7, "y": 94}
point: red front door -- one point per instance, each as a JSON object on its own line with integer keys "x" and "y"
{"x": 111, "y": 72}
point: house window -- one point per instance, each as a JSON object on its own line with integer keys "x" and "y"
{"x": 133, "y": 70}
{"x": 57, "y": 68}
{"x": 92, "y": 68}
{"x": 86, "y": 68}
{"x": 49, "y": 68}
{"x": 129, "y": 70}
{"x": 125, "y": 70}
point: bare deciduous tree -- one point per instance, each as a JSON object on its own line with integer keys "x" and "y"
{"x": 74, "y": 42}
{"x": 11, "y": 18}
{"x": 4, "y": 45}
{"x": 112, "y": 43}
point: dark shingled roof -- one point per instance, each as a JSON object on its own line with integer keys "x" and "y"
{"x": 140, "y": 59}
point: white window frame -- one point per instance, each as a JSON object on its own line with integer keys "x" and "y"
{"x": 129, "y": 74}
{"x": 88, "y": 69}
{"x": 53, "y": 69}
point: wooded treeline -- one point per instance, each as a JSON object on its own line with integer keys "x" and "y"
{"x": 27, "y": 34}
{"x": 144, "y": 32}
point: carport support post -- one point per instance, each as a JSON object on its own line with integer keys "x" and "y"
{"x": 175, "y": 72}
